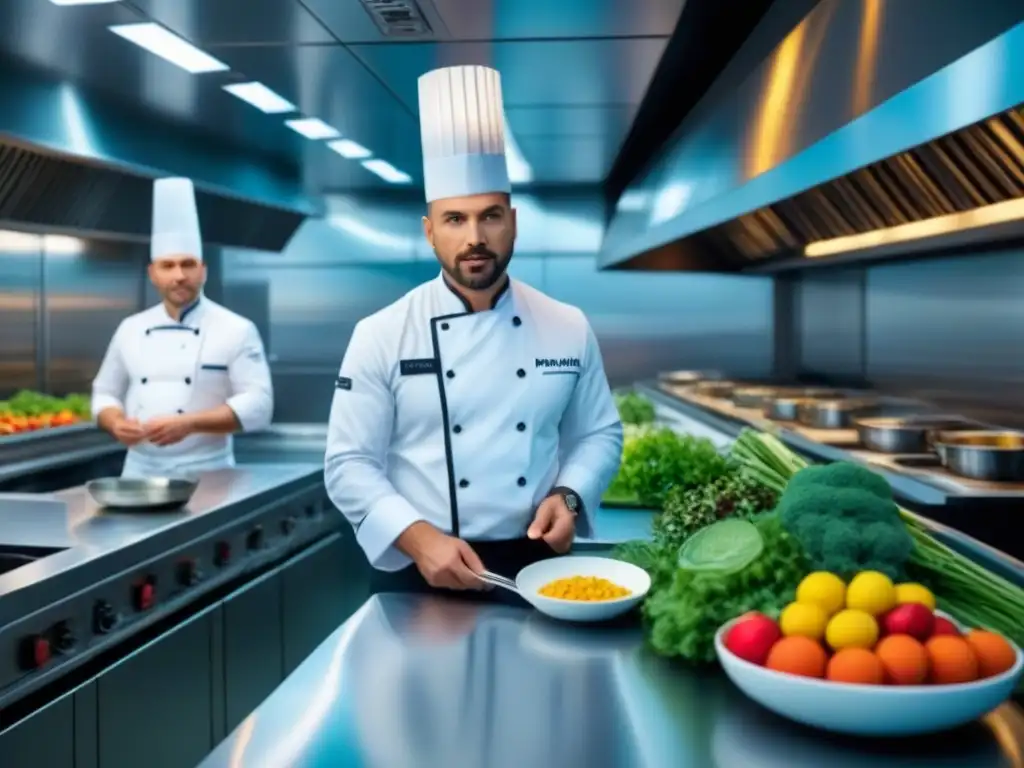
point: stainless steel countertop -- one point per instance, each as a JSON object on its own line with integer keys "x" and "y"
{"x": 427, "y": 682}
{"x": 86, "y": 533}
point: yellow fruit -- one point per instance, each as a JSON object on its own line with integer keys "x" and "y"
{"x": 803, "y": 620}
{"x": 852, "y": 629}
{"x": 823, "y": 589}
{"x": 915, "y": 593}
{"x": 871, "y": 592}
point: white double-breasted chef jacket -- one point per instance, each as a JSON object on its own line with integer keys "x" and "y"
{"x": 158, "y": 366}
{"x": 468, "y": 420}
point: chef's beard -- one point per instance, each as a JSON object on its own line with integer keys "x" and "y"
{"x": 487, "y": 277}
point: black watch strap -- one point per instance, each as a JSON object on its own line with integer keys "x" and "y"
{"x": 572, "y": 499}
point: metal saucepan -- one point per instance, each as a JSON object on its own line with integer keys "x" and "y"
{"x": 834, "y": 413}
{"x": 983, "y": 455}
{"x": 716, "y": 389}
{"x": 762, "y": 397}
{"x": 906, "y": 434}
{"x": 688, "y": 377}
{"x": 141, "y": 493}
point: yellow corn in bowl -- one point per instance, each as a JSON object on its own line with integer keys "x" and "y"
{"x": 584, "y": 588}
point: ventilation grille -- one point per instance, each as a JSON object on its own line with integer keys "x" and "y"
{"x": 398, "y": 18}
{"x": 49, "y": 191}
{"x": 976, "y": 166}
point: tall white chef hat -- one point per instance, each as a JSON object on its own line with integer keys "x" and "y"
{"x": 462, "y": 127}
{"x": 175, "y": 220}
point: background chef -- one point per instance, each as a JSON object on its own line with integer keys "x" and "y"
{"x": 472, "y": 423}
{"x": 179, "y": 378}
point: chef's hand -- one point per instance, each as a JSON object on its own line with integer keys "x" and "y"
{"x": 444, "y": 561}
{"x": 554, "y": 523}
{"x": 168, "y": 430}
{"x": 128, "y": 431}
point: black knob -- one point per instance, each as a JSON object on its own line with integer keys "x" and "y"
{"x": 288, "y": 526}
{"x": 104, "y": 617}
{"x": 255, "y": 538}
{"x": 188, "y": 573}
{"x": 63, "y": 637}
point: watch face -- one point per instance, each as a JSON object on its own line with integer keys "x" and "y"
{"x": 571, "y": 501}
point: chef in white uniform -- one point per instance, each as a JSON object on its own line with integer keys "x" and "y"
{"x": 472, "y": 424}
{"x": 180, "y": 378}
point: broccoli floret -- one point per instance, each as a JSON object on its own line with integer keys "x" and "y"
{"x": 845, "y": 529}
{"x": 843, "y": 475}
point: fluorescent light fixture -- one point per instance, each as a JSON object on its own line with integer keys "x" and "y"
{"x": 82, "y": 2}
{"x": 312, "y": 128}
{"x": 350, "y": 149}
{"x": 387, "y": 171}
{"x": 985, "y": 216}
{"x": 261, "y": 97}
{"x": 169, "y": 47}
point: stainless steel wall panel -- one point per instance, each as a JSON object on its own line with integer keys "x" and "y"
{"x": 831, "y": 337}
{"x": 20, "y": 270}
{"x": 87, "y": 295}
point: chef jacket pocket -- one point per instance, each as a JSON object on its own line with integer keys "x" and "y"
{"x": 553, "y": 390}
{"x": 214, "y": 380}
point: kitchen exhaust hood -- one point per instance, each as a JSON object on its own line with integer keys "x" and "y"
{"x": 938, "y": 166}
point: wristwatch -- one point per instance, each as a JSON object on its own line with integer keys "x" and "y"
{"x": 572, "y": 500}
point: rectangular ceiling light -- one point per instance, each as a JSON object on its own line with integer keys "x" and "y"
{"x": 312, "y": 128}
{"x": 169, "y": 47}
{"x": 261, "y": 97}
{"x": 387, "y": 171}
{"x": 350, "y": 149}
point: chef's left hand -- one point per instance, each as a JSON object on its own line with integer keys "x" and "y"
{"x": 555, "y": 523}
{"x": 168, "y": 430}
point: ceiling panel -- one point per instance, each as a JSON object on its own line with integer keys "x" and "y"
{"x": 533, "y": 19}
{"x": 329, "y": 83}
{"x": 568, "y": 159}
{"x": 218, "y": 22}
{"x": 73, "y": 42}
{"x": 558, "y": 73}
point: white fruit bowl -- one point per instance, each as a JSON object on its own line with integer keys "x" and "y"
{"x": 530, "y": 580}
{"x": 867, "y": 710}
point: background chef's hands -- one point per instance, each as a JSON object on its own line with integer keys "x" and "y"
{"x": 128, "y": 431}
{"x": 555, "y": 523}
{"x": 167, "y": 430}
{"x": 444, "y": 561}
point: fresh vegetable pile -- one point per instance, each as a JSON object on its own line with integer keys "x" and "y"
{"x": 30, "y": 411}
{"x": 634, "y": 408}
{"x": 868, "y": 632}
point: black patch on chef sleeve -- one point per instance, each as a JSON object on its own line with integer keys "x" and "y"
{"x": 343, "y": 382}
{"x": 417, "y": 367}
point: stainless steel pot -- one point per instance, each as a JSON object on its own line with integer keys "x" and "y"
{"x": 784, "y": 408}
{"x": 147, "y": 493}
{"x": 716, "y": 389}
{"x": 834, "y": 413}
{"x": 688, "y": 377}
{"x": 894, "y": 434}
{"x": 983, "y": 454}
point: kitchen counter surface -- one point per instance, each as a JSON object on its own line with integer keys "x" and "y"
{"x": 421, "y": 681}
{"x": 83, "y": 537}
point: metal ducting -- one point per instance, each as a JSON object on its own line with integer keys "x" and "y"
{"x": 977, "y": 166}
{"x": 59, "y": 192}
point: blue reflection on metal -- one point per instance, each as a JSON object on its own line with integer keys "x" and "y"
{"x": 985, "y": 82}
{"x": 61, "y": 117}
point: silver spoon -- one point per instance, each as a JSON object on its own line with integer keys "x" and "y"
{"x": 498, "y": 581}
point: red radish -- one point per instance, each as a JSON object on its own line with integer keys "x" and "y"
{"x": 911, "y": 619}
{"x": 752, "y": 637}
{"x": 944, "y": 626}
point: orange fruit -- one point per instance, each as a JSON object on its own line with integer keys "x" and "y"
{"x": 798, "y": 655}
{"x": 995, "y": 655}
{"x": 904, "y": 659}
{"x": 951, "y": 660}
{"x": 855, "y": 665}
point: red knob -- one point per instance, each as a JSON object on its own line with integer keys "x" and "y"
{"x": 222, "y": 554}
{"x": 41, "y": 651}
{"x": 145, "y": 594}
{"x": 34, "y": 652}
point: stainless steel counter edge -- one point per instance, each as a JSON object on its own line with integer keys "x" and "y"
{"x": 96, "y": 543}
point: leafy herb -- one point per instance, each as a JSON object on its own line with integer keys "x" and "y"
{"x": 634, "y": 408}
{"x": 661, "y": 459}
{"x": 688, "y": 510}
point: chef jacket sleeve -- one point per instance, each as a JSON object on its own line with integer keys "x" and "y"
{"x": 252, "y": 397}
{"x": 110, "y": 387}
{"x": 358, "y": 437}
{"x": 590, "y": 437}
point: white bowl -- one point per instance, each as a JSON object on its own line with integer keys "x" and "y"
{"x": 867, "y": 710}
{"x": 533, "y": 577}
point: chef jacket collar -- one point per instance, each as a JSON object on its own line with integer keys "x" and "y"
{"x": 455, "y": 303}
{"x": 189, "y": 315}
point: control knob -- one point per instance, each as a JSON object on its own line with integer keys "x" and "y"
{"x": 288, "y": 526}
{"x": 63, "y": 637}
{"x": 104, "y": 617}
{"x": 34, "y": 652}
{"x": 222, "y": 554}
{"x": 188, "y": 573}
{"x": 255, "y": 538}
{"x": 144, "y": 594}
